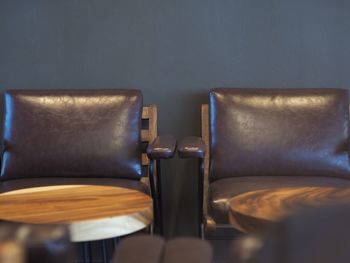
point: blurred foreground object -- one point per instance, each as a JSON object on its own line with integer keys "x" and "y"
{"x": 35, "y": 243}
{"x": 11, "y": 252}
{"x": 316, "y": 235}
{"x": 154, "y": 249}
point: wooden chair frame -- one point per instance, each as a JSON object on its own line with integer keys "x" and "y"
{"x": 153, "y": 178}
{"x": 149, "y": 114}
{"x": 205, "y": 137}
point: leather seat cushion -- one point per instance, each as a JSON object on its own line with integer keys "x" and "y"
{"x": 37, "y": 182}
{"x": 221, "y": 191}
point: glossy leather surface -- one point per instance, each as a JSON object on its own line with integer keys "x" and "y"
{"x": 221, "y": 191}
{"x": 163, "y": 147}
{"x": 191, "y": 147}
{"x": 273, "y": 132}
{"x": 72, "y": 133}
{"x": 42, "y": 243}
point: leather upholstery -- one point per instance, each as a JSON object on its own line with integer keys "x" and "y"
{"x": 273, "y": 132}
{"x": 191, "y": 147}
{"x": 221, "y": 191}
{"x": 72, "y": 133}
{"x": 163, "y": 147}
{"x": 42, "y": 243}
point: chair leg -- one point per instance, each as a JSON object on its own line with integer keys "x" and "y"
{"x": 87, "y": 254}
{"x": 115, "y": 242}
{"x": 151, "y": 229}
{"x": 202, "y": 232}
{"x": 159, "y": 194}
{"x": 200, "y": 200}
{"x": 104, "y": 251}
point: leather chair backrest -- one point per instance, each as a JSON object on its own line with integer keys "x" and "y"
{"x": 272, "y": 132}
{"x": 72, "y": 133}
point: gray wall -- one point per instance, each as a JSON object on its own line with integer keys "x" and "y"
{"x": 175, "y": 51}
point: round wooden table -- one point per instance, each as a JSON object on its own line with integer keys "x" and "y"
{"x": 253, "y": 211}
{"x": 92, "y": 212}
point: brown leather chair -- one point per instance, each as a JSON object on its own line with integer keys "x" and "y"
{"x": 56, "y": 137}
{"x": 311, "y": 236}
{"x": 267, "y": 138}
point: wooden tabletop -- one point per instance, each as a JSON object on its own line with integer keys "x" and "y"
{"x": 253, "y": 211}
{"x": 92, "y": 212}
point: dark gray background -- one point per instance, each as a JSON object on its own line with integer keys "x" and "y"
{"x": 175, "y": 51}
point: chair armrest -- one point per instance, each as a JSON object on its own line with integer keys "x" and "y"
{"x": 191, "y": 147}
{"x": 163, "y": 147}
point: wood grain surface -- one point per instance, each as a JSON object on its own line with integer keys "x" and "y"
{"x": 253, "y": 211}
{"x": 92, "y": 212}
{"x": 148, "y": 133}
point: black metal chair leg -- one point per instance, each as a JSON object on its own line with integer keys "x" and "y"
{"x": 151, "y": 229}
{"x": 160, "y": 202}
{"x": 87, "y": 254}
{"x": 105, "y": 251}
{"x": 115, "y": 242}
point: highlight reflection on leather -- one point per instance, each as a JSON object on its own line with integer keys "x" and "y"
{"x": 270, "y": 132}
{"x": 72, "y": 133}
